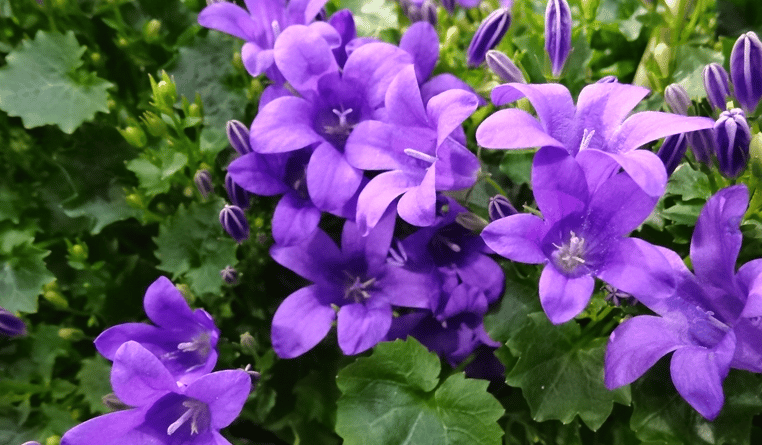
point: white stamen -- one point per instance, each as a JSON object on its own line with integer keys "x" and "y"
{"x": 276, "y": 29}
{"x": 420, "y": 155}
{"x": 587, "y": 136}
{"x": 195, "y": 409}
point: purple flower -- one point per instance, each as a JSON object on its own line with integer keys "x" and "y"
{"x": 500, "y": 207}
{"x": 732, "y": 137}
{"x": 233, "y": 220}
{"x": 702, "y": 145}
{"x": 260, "y": 26}
{"x": 238, "y": 195}
{"x": 746, "y": 70}
{"x": 354, "y": 286}
{"x": 672, "y": 151}
{"x": 422, "y": 147}
{"x": 184, "y": 341}
{"x": 503, "y": 67}
{"x": 238, "y": 135}
{"x": 582, "y": 235}
{"x": 11, "y": 325}
{"x": 558, "y": 30}
{"x": 716, "y": 84}
{"x": 595, "y": 131}
{"x": 711, "y": 320}
{"x": 491, "y": 30}
{"x": 203, "y": 181}
{"x": 164, "y": 412}
{"x": 677, "y": 99}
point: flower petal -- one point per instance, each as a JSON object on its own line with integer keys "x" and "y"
{"x": 647, "y": 126}
{"x": 373, "y": 66}
{"x": 637, "y": 267}
{"x": 645, "y": 168}
{"x": 311, "y": 259}
{"x": 449, "y": 109}
{"x": 285, "y": 124}
{"x": 331, "y": 181}
{"x": 456, "y": 167}
{"x": 559, "y": 184}
{"x": 165, "y": 306}
{"x": 138, "y": 377}
{"x": 108, "y": 429}
{"x": 619, "y": 206}
{"x": 601, "y": 107}
{"x": 252, "y": 172}
{"x": 403, "y": 100}
{"x": 301, "y": 322}
{"x": 255, "y": 59}
{"x": 378, "y": 194}
{"x": 409, "y": 289}
{"x": 362, "y": 326}
{"x": 230, "y": 19}
{"x": 443, "y": 82}
{"x": 303, "y": 56}
{"x": 517, "y": 237}
{"x": 224, "y": 392}
{"x": 294, "y": 220}
{"x": 513, "y": 128}
{"x": 563, "y": 298}
{"x": 417, "y": 205}
{"x": 422, "y": 42}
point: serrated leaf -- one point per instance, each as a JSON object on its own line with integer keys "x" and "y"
{"x": 392, "y": 397}
{"x": 685, "y": 213}
{"x": 102, "y": 212}
{"x": 155, "y": 170}
{"x": 22, "y": 272}
{"x": 192, "y": 244}
{"x": 689, "y": 183}
{"x": 42, "y": 86}
{"x": 519, "y": 300}
{"x": 691, "y": 61}
{"x": 372, "y": 16}
{"x": 94, "y": 382}
{"x": 517, "y": 165}
{"x": 561, "y": 376}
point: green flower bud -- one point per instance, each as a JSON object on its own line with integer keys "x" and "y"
{"x": 237, "y": 61}
{"x": 53, "y": 440}
{"x": 248, "y": 344}
{"x": 56, "y": 299}
{"x": 662, "y": 54}
{"x": 152, "y": 31}
{"x": 78, "y": 253}
{"x": 71, "y": 334}
{"x": 195, "y": 111}
{"x": 134, "y": 200}
{"x": 154, "y": 124}
{"x": 134, "y": 136}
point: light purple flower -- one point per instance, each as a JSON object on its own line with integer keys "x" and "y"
{"x": 582, "y": 235}
{"x": 422, "y": 149}
{"x": 354, "y": 286}
{"x": 711, "y": 321}
{"x": 596, "y": 131}
{"x": 184, "y": 341}
{"x": 164, "y": 412}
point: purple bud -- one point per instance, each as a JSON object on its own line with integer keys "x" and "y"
{"x": 234, "y": 222}
{"x": 608, "y": 79}
{"x": 672, "y": 151}
{"x": 11, "y": 325}
{"x": 746, "y": 70}
{"x": 322, "y": 15}
{"x": 716, "y": 85}
{"x": 491, "y": 30}
{"x": 449, "y": 5}
{"x": 702, "y": 145}
{"x": 732, "y": 137}
{"x": 429, "y": 12}
{"x": 503, "y": 67}
{"x": 203, "y": 181}
{"x": 229, "y": 275}
{"x": 500, "y": 207}
{"x": 238, "y": 196}
{"x": 677, "y": 99}
{"x": 558, "y": 25}
{"x": 238, "y": 135}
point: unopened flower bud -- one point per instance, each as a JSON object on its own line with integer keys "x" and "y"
{"x": 152, "y": 31}
{"x": 449, "y": 5}
{"x": 500, "y": 207}
{"x": 33, "y": 442}
{"x": 702, "y": 145}
{"x": 488, "y": 35}
{"x": 238, "y": 135}
{"x": 155, "y": 125}
{"x": 248, "y": 344}
{"x": 234, "y": 222}
{"x": 229, "y": 275}
{"x": 503, "y": 67}
{"x": 662, "y": 54}
{"x": 746, "y": 70}
{"x": 755, "y": 155}
{"x": 134, "y": 136}
{"x": 716, "y": 85}
{"x": 53, "y": 440}
{"x": 71, "y": 334}
{"x": 672, "y": 151}
{"x": 238, "y": 196}
{"x": 194, "y": 110}
{"x": 677, "y": 99}
{"x": 56, "y": 299}
{"x": 732, "y": 137}
{"x": 11, "y": 325}
{"x": 608, "y": 79}
{"x": 558, "y": 28}
{"x": 471, "y": 221}
{"x": 203, "y": 181}
{"x": 429, "y": 12}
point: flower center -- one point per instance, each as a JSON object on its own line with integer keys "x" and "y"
{"x": 569, "y": 256}
{"x": 343, "y": 127}
{"x": 357, "y": 289}
{"x": 200, "y": 344}
{"x": 197, "y": 413}
{"x": 397, "y": 254}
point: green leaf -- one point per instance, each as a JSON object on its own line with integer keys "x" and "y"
{"x": 684, "y": 213}
{"x": 371, "y": 16}
{"x": 42, "y": 86}
{"x": 519, "y": 300}
{"x": 517, "y": 165}
{"x": 392, "y": 397}
{"x": 689, "y": 183}
{"x": 192, "y": 244}
{"x": 22, "y": 271}
{"x": 155, "y": 169}
{"x": 563, "y": 375}
{"x": 691, "y": 61}
{"x": 94, "y": 383}
{"x": 102, "y": 212}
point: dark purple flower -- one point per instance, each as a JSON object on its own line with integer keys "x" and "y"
{"x": 344, "y": 23}
{"x": 238, "y": 135}
{"x": 500, "y": 207}
{"x": 558, "y": 30}
{"x": 489, "y": 33}
{"x": 716, "y": 84}
{"x": 732, "y": 137}
{"x": 595, "y": 131}
{"x": 677, "y": 99}
{"x": 582, "y": 235}
{"x": 711, "y": 320}
{"x": 354, "y": 286}
{"x": 672, "y": 151}
{"x": 233, "y": 220}
{"x": 183, "y": 340}
{"x": 238, "y": 196}
{"x": 746, "y": 70}
{"x": 11, "y": 325}
{"x": 164, "y": 412}
{"x": 503, "y": 67}
{"x": 203, "y": 181}
{"x": 702, "y": 145}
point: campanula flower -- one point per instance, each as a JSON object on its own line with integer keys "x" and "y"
{"x": 558, "y": 30}
{"x": 746, "y": 70}
{"x": 717, "y": 85}
{"x": 489, "y": 33}
{"x": 11, "y": 325}
{"x": 732, "y": 137}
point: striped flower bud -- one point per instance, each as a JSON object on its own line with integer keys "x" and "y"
{"x": 558, "y": 26}
{"x": 238, "y": 196}
{"x": 746, "y": 70}
{"x": 732, "y": 137}
{"x": 203, "y": 181}
{"x": 11, "y": 325}
{"x": 500, "y": 207}
{"x": 608, "y": 79}
{"x": 238, "y": 135}
{"x": 702, "y": 145}
{"x": 716, "y": 85}
{"x": 229, "y": 275}
{"x": 234, "y": 222}
{"x": 429, "y": 12}
{"x": 503, "y": 67}
{"x": 672, "y": 151}
{"x": 491, "y": 30}
{"x": 449, "y": 5}
{"x": 677, "y": 99}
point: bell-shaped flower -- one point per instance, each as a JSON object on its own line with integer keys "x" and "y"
{"x": 582, "y": 235}
{"x": 596, "y": 131}
{"x": 184, "y": 341}
{"x": 712, "y": 319}
{"x": 163, "y": 412}
{"x": 746, "y": 70}
{"x": 353, "y": 286}
{"x": 421, "y": 147}
{"x": 732, "y": 137}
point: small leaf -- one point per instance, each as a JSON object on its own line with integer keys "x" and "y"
{"x": 94, "y": 383}
{"x": 392, "y": 397}
{"x": 42, "y": 86}
{"x": 689, "y": 183}
{"x": 22, "y": 271}
{"x": 154, "y": 172}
